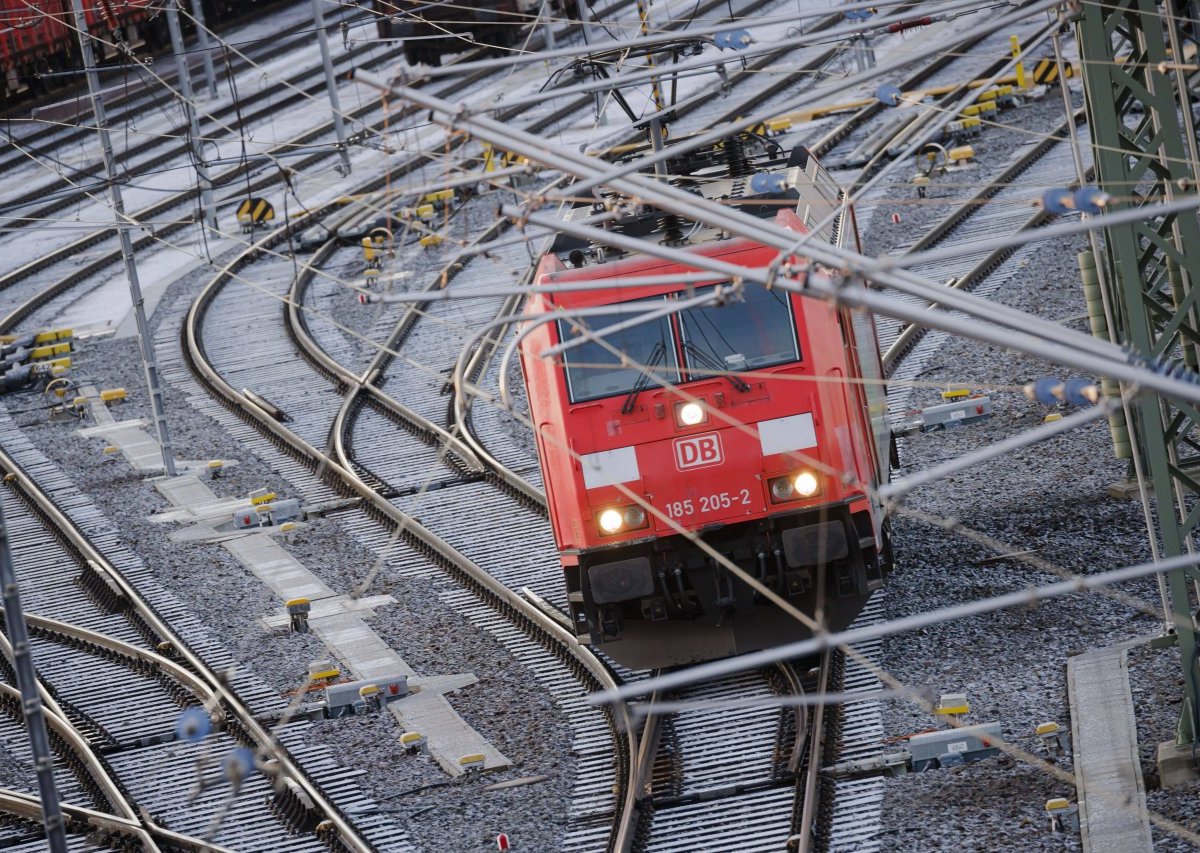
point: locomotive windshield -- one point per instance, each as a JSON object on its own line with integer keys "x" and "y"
{"x": 594, "y": 370}
{"x": 757, "y": 332}
{"x": 716, "y": 340}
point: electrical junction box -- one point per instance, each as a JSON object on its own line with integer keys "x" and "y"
{"x": 953, "y": 746}
{"x": 947, "y": 415}
{"x": 346, "y": 699}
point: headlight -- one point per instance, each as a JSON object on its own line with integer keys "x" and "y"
{"x": 797, "y": 485}
{"x": 690, "y": 414}
{"x": 806, "y": 484}
{"x": 611, "y": 521}
{"x": 621, "y": 519}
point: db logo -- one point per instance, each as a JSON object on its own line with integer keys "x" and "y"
{"x": 696, "y": 451}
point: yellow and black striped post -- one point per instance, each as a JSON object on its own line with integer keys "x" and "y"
{"x": 643, "y": 9}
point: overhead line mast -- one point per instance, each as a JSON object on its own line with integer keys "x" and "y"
{"x": 1139, "y": 99}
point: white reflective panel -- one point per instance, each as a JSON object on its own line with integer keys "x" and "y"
{"x": 781, "y": 435}
{"x": 609, "y": 467}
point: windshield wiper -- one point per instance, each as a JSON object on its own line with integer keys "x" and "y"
{"x": 656, "y": 355}
{"x": 710, "y": 361}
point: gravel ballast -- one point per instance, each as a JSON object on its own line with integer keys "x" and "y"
{"x": 1050, "y": 498}
{"x": 506, "y": 706}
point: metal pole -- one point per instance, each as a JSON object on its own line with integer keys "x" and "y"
{"x": 202, "y": 34}
{"x": 546, "y": 15}
{"x": 583, "y": 16}
{"x": 208, "y": 211}
{"x": 31, "y": 702}
{"x": 135, "y": 290}
{"x": 330, "y": 83}
{"x": 656, "y": 140}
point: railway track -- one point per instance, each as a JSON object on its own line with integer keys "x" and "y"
{"x": 141, "y": 109}
{"x": 379, "y": 486}
{"x": 93, "y": 607}
{"x": 388, "y": 467}
{"x": 1007, "y": 204}
{"x": 848, "y": 812}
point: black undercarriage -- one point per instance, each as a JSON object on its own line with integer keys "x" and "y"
{"x": 668, "y": 601}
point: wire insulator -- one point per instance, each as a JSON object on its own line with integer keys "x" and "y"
{"x": 735, "y": 158}
{"x": 901, "y": 26}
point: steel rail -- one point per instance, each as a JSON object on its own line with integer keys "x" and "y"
{"x": 77, "y": 742}
{"x": 341, "y": 464}
{"x": 216, "y": 116}
{"x": 942, "y": 229}
{"x": 495, "y": 592}
{"x": 816, "y": 748}
{"x": 228, "y": 176}
{"x": 637, "y": 790}
{"x": 131, "y": 822}
{"x": 800, "y": 713}
{"x": 141, "y": 95}
{"x": 482, "y": 349}
{"x": 29, "y": 807}
{"x": 237, "y": 712}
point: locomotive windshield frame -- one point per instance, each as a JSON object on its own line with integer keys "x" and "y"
{"x": 687, "y": 346}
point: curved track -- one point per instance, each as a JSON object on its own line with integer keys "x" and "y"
{"x": 337, "y": 439}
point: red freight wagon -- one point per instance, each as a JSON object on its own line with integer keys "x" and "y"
{"x": 38, "y": 36}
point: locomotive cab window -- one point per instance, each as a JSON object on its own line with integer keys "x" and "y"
{"x": 755, "y": 333}
{"x": 594, "y": 371}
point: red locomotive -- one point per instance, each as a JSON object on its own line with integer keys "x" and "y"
{"x": 760, "y": 431}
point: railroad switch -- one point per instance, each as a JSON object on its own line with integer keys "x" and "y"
{"x": 1063, "y": 814}
{"x": 72, "y": 410}
{"x": 893, "y": 764}
{"x": 263, "y": 514}
{"x": 1056, "y": 739}
{"x": 953, "y": 746}
{"x": 298, "y": 609}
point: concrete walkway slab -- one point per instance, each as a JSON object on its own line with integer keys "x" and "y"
{"x": 336, "y": 619}
{"x": 339, "y": 621}
{"x": 1108, "y": 772}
